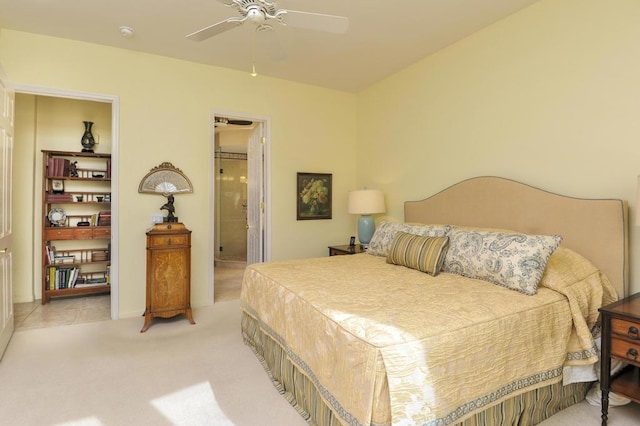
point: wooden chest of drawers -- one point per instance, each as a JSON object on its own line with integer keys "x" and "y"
{"x": 168, "y": 272}
{"x": 620, "y": 341}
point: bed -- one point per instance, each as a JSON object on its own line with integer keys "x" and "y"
{"x": 378, "y": 339}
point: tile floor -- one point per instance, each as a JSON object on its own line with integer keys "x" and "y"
{"x": 62, "y": 311}
{"x": 228, "y": 280}
{"x": 74, "y": 310}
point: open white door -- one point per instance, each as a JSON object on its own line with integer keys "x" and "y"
{"x": 7, "y": 99}
{"x": 255, "y": 196}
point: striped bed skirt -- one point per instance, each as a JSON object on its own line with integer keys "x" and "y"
{"x": 526, "y": 409}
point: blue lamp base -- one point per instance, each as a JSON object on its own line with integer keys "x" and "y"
{"x": 366, "y": 226}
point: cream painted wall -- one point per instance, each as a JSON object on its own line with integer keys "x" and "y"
{"x": 165, "y": 110}
{"x": 235, "y": 140}
{"x": 24, "y": 206}
{"x": 549, "y": 96}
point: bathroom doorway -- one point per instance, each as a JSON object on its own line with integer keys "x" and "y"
{"x": 240, "y": 193}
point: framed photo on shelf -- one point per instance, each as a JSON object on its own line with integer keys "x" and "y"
{"x": 313, "y": 198}
{"x": 57, "y": 186}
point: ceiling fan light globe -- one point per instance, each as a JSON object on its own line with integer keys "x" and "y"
{"x": 255, "y": 16}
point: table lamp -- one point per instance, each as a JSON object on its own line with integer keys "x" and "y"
{"x": 365, "y": 202}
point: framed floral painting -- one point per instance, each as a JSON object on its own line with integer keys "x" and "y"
{"x": 313, "y": 196}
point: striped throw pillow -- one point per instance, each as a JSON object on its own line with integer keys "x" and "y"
{"x": 385, "y": 231}
{"x": 425, "y": 254}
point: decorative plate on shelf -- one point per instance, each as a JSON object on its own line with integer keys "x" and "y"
{"x": 57, "y": 216}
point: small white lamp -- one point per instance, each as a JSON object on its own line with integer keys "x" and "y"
{"x": 365, "y": 202}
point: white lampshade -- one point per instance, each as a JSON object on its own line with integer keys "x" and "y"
{"x": 365, "y": 201}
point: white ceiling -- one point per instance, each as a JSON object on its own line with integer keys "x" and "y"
{"x": 383, "y": 36}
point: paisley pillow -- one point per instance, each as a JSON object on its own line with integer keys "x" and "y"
{"x": 513, "y": 260}
{"x": 384, "y": 233}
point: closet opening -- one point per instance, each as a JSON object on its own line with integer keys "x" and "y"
{"x": 49, "y": 119}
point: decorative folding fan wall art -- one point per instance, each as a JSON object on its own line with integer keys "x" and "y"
{"x": 166, "y": 180}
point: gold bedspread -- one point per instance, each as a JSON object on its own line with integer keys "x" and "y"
{"x": 385, "y": 344}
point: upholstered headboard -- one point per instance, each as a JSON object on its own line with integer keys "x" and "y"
{"x": 595, "y": 228}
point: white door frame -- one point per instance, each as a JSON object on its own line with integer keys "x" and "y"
{"x": 266, "y": 123}
{"x": 7, "y": 146}
{"x": 115, "y": 126}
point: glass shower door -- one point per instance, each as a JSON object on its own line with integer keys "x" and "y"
{"x": 231, "y": 206}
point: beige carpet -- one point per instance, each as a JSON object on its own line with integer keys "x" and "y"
{"x": 108, "y": 373}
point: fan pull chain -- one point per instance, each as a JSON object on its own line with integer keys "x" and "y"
{"x": 253, "y": 55}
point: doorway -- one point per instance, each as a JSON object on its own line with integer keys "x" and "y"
{"x": 32, "y": 101}
{"x": 240, "y": 191}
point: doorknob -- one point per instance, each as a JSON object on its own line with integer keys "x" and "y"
{"x": 4, "y": 250}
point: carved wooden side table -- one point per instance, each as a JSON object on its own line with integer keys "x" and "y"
{"x": 168, "y": 272}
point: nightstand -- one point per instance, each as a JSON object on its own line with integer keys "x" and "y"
{"x": 621, "y": 341}
{"x": 346, "y": 249}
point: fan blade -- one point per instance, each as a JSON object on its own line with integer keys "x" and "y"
{"x": 314, "y": 21}
{"x": 215, "y": 29}
{"x": 240, "y": 122}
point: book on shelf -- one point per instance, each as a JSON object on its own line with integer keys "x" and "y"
{"x": 59, "y": 278}
{"x": 63, "y": 259}
{"x": 104, "y": 218}
{"x": 58, "y": 198}
{"x": 51, "y": 253}
{"x": 91, "y": 282}
{"x": 82, "y": 285}
{"x": 71, "y": 281}
{"x": 58, "y": 167}
{"x": 66, "y": 277}
{"x": 51, "y": 278}
{"x": 98, "y": 255}
{"x": 54, "y": 259}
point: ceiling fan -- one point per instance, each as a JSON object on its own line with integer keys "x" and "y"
{"x": 224, "y": 121}
{"x": 259, "y": 12}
